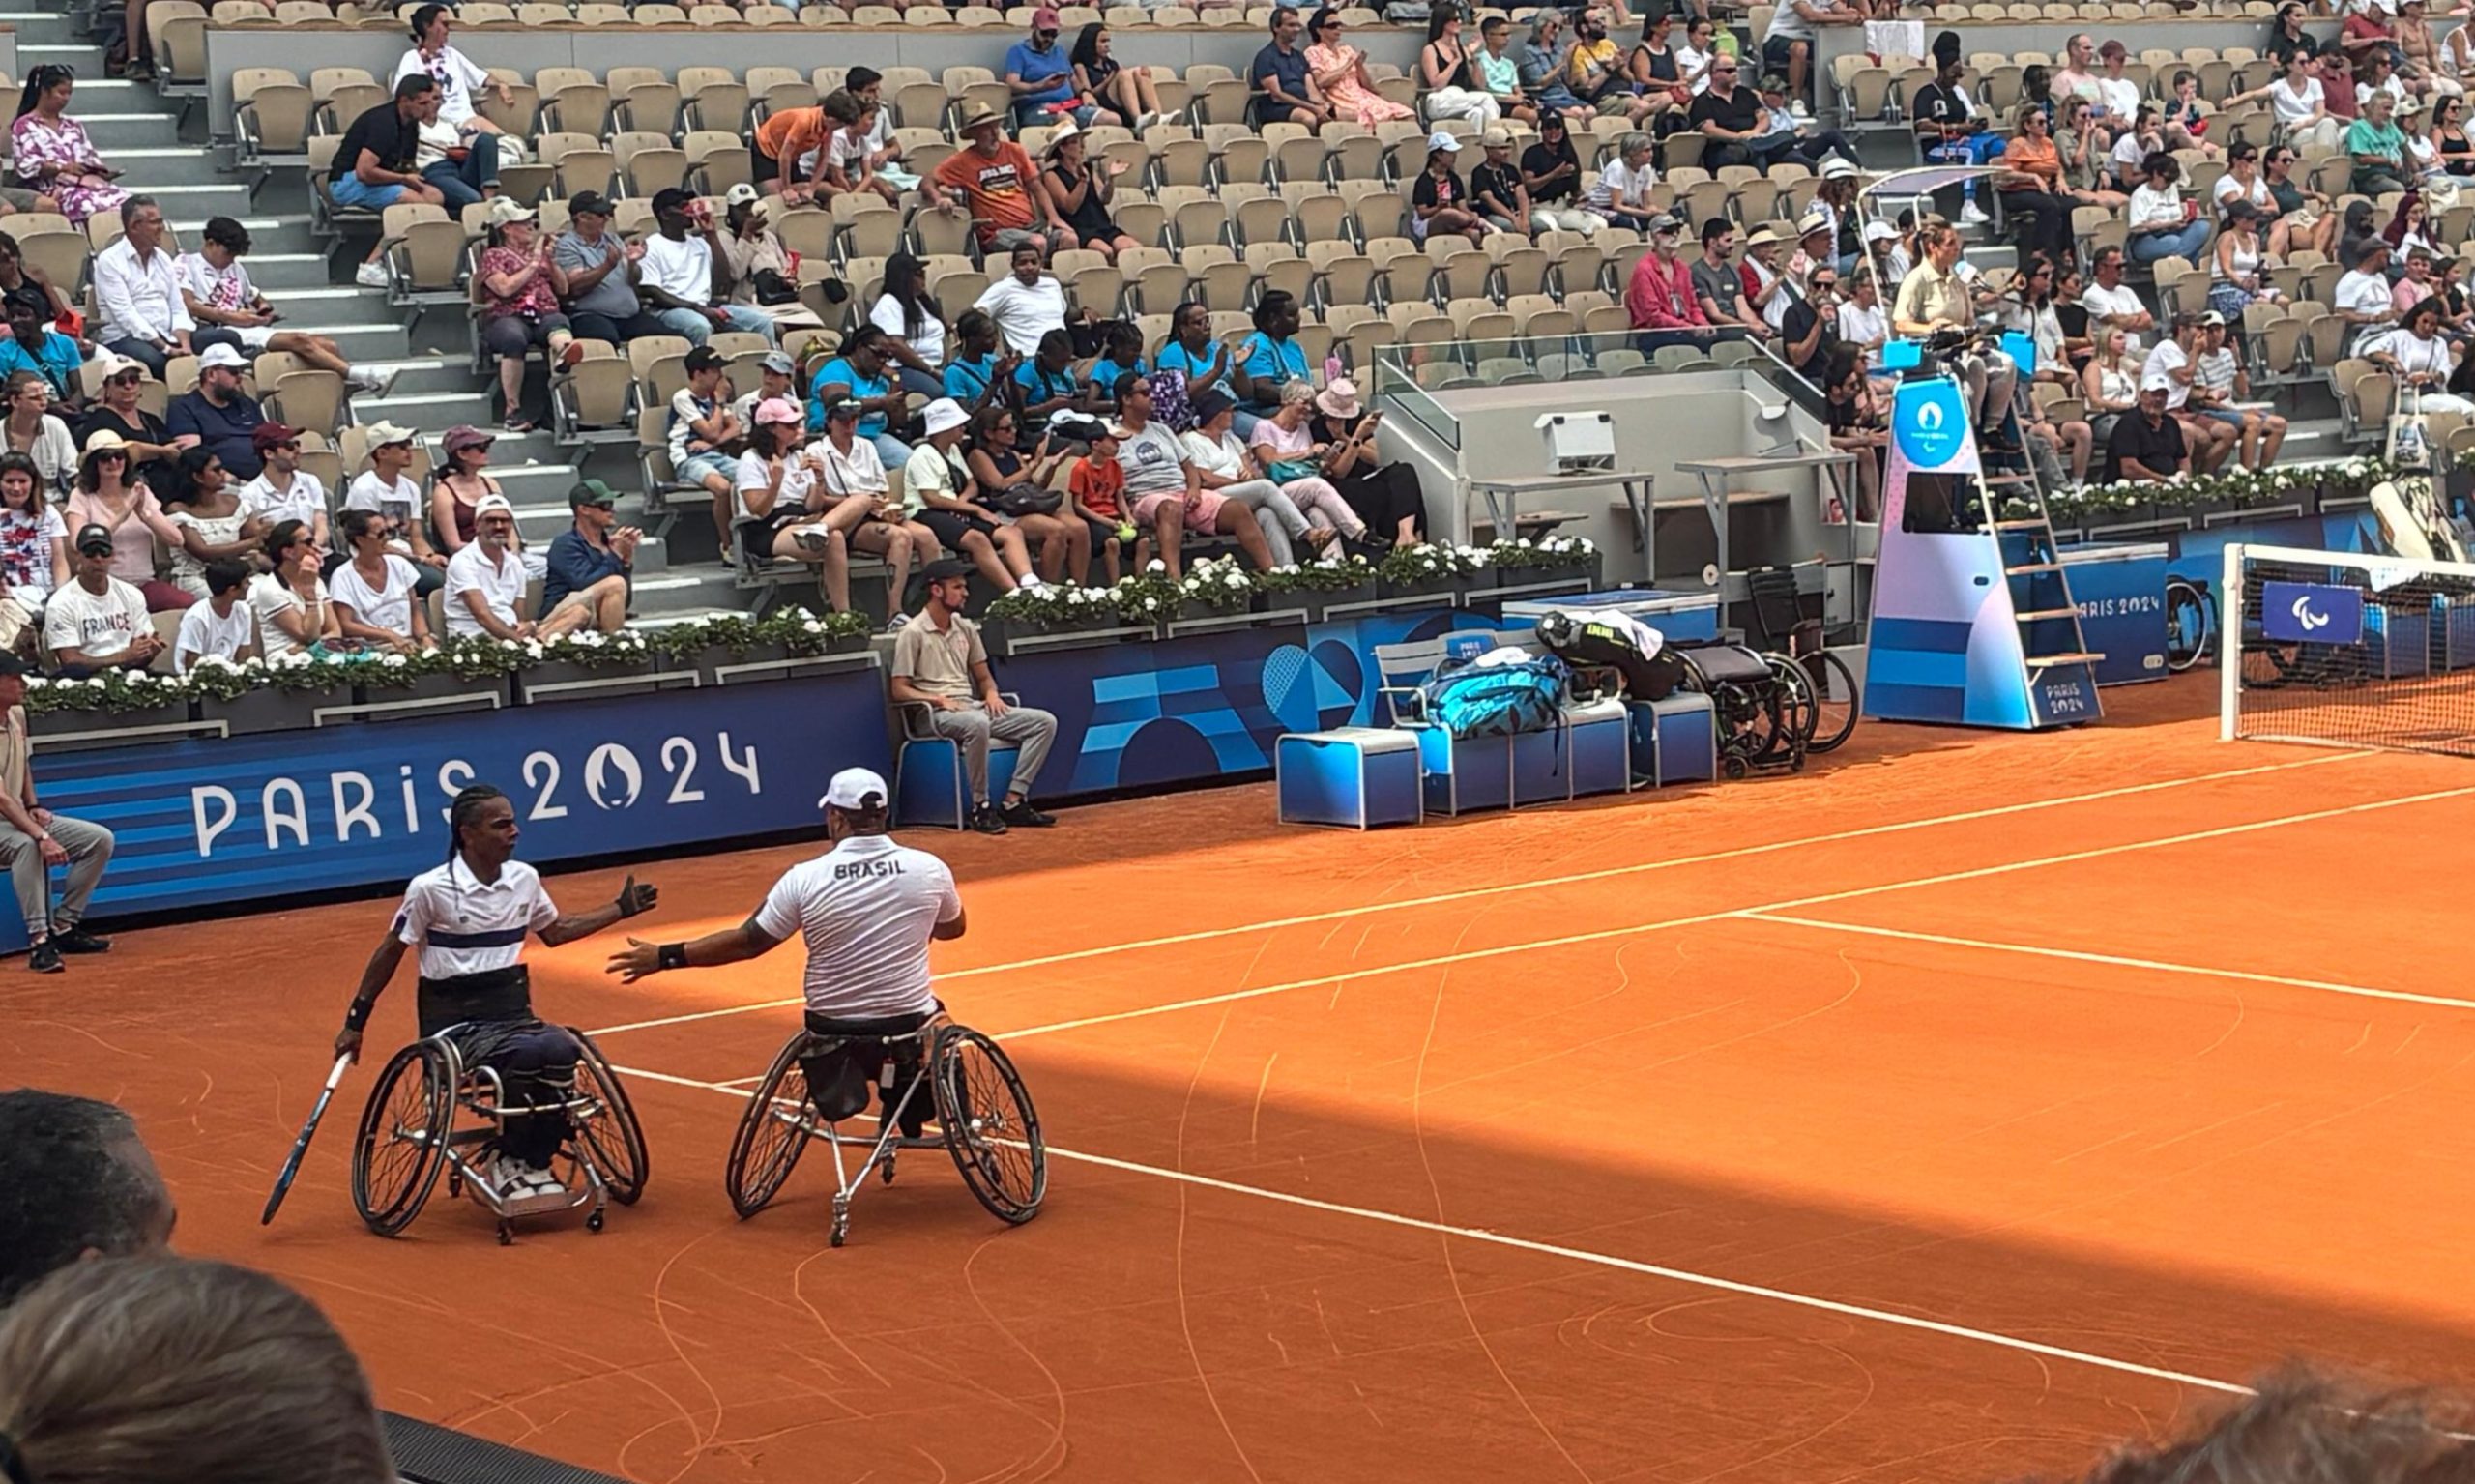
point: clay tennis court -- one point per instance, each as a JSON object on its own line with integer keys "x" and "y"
{"x": 1950, "y": 1112}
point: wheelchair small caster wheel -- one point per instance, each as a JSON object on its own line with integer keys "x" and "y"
{"x": 454, "y": 1183}
{"x": 1735, "y": 768}
{"x": 593, "y": 1223}
{"x": 838, "y": 1236}
{"x": 886, "y": 1173}
{"x": 507, "y": 1233}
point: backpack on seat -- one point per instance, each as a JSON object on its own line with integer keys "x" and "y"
{"x": 1477, "y": 698}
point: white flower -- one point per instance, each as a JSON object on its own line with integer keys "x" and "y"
{"x": 813, "y": 626}
{"x": 1150, "y": 603}
{"x": 1429, "y": 563}
{"x": 1156, "y": 565}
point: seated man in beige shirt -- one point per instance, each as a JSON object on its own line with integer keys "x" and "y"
{"x": 939, "y": 662}
{"x": 1933, "y": 297}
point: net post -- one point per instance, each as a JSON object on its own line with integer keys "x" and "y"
{"x": 2230, "y": 647}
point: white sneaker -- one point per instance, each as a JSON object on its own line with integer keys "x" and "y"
{"x": 376, "y": 383}
{"x": 370, "y": 274}
{"x": 1797, "y": 109}
{"x": 1971, "y": 215}
{"x": 1031, "y": 582}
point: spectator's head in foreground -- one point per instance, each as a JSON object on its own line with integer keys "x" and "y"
{"x": 158, "y": 1367}
{"x": 20, "y": 494}
{"x": 2304, "y": 1428}
{"x": 75, "y": 1182}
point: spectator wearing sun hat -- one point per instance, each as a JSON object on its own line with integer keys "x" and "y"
{"x": 1440, "y": 202}
{"x": 387, "y": 488}
{"x": 485, "y": 584}
{"x": 1496, "y": 191}
{"x": 520, "y": 283}
{"x": 219, "y": 415}
{"x": 992, "y": 180}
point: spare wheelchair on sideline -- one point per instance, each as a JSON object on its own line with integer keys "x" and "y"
{"x": 409, "y": 1133}
{"x": 1763, "y": 704}
{"x": 821, "y": 1079}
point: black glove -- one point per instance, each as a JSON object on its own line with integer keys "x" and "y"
{"x": 636, "y": 900}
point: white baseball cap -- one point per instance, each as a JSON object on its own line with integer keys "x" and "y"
{"x": 221, "y": 355}
{"x": 2159, "y": 382}
{"x": 493, "y": 505}
{"x": 1444, "y": 140}
{"x": 944, "y": 415}
{"x": 856, "y": 788}
{"x": 1881, "y": 232}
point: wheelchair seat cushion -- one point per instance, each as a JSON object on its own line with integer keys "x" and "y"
{"x": 1726, "y": 664}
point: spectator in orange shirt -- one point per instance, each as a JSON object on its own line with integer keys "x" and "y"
{"x": 2031, "y": 188}
{"x": 1098, "y": 488}
{"x": 779, "y": 145}
{"x": 996, "y": 182}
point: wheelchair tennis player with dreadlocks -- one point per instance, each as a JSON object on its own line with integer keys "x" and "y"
{"x": 469, "y": 918}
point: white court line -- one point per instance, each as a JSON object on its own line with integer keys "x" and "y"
{"x": 2327, "y": 986}
{"x": 1604, "y": 1259}
{"x": 1698, "y": 918}
{"x": 1472, "y": 893}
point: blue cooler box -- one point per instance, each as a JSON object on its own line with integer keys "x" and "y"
{"x": 1358, "y": 777}
{"x": 2120, "y": 591}
{"x": 1675, "y": 615}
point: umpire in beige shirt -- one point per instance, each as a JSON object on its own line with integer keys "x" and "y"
{"x": 940, "y": 663}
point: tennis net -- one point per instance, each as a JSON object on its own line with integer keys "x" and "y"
{"x": 2349, "y": 649}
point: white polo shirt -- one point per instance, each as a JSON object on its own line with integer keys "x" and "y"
{"x": 463, "y": 924}
{"x": 502, "y": 589}
{"x": 304, "y": 498}
{"x": 866, "y": 908}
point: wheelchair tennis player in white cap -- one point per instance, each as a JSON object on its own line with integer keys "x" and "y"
{"x": 867, "y": 908}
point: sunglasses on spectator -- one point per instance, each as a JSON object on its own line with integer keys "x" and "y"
{"x": 128, "y": 378}
{"x": 113, "y": 455}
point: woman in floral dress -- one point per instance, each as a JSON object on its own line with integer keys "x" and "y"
{"x": 53, "y": 153}
{"x": 1339, "y": 71}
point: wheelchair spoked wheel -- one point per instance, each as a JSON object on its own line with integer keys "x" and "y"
{"x": 1834, "y": 692}
{"x": 402, "y": 1140}
{"x": 773, "y": 1133}
{"x": 1791, "y": 715}
{"x": 991, "y": 1128}
{"x": 616, "y": 1138}
{"x": 2191, "y": 625}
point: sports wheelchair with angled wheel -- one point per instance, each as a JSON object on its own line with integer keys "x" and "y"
{"x": 820, "y": 1080}
{"x": 1763, "y": 705}
{"x": 410, "y": 1133}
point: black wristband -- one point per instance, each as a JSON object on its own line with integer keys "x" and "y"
{"x": 673, "y": 955}
{"x": 357, "y": 1018}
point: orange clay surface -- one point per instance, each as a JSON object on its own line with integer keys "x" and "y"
{"x": 1594, "y": 1143}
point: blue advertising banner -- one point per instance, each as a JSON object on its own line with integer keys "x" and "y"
{"x": 2311, "y": 613}
{"x": 208, "y": 821}
{"x": 1207, "y": 705}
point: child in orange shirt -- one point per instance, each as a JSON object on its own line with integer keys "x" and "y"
{"x": 1096, "y": 487}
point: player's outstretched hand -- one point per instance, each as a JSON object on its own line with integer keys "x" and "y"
{"x": 641, "y": 959}
{"x": 348, "y": 1044}
{"x": 636, "y": 899}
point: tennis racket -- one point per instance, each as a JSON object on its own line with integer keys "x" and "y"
{"x": 301, "y": 1146}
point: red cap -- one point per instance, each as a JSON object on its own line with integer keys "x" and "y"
{"x": 267, "y": 435}
{"x": 1047, "y": 18}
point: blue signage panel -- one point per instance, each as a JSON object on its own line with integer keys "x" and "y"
{"x": 206, "y": 821}
{"x": 2311, "y": 613}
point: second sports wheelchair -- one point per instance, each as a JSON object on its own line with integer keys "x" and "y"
{"x": 408, "y": 1135}
{"x": 960, "y": 1077}
{"x": 1764, "y": 704}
